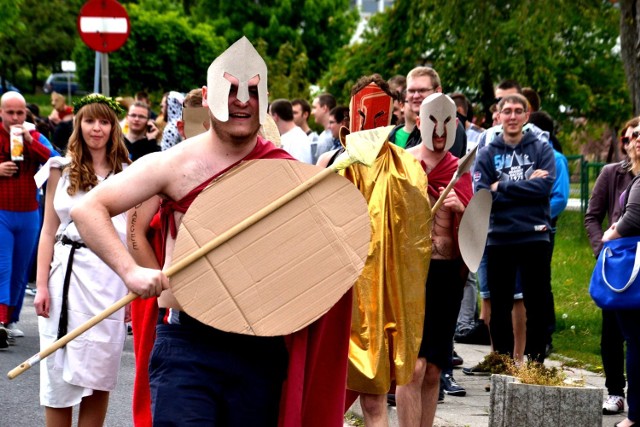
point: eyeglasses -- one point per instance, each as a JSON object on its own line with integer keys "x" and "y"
{"x": 137, "y": 116}
{"x": 508, "y": 112}
{"x": 421, "y": 91}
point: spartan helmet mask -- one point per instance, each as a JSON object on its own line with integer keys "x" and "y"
{"x": 437, "y": 118}
{"x": 370, "y": 108}
{"x": 242, "y": 61}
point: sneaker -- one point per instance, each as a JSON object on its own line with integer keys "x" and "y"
{"x": 17, "y": 333}
{"x": 30, "y": 291}
{"x": 456, "y": 360}
{"x": 477, "y": 370}
{"x": 4, "y": 338}
{"x": 449, "y": 385}
{"x": 613, "y": 405}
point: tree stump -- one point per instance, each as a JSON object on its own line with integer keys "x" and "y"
{"x": 526, "y": 405}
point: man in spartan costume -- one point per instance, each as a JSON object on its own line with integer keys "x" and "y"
{"x": 447, "y": 271}
{"x": 313, "y": 393}
{"x": 239, "y": 378}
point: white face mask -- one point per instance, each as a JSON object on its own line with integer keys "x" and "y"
{"x": 438, "y": 117}
{"x": 242, "y": 61}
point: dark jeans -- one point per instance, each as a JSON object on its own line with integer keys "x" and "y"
{"x": 629, "y": 321}
{"x": 200, "y": 376}
{"x": 532, "y": 262}
{"x": 612, "y": 351}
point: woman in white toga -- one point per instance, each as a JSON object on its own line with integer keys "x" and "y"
{"x": 73, "y": 284}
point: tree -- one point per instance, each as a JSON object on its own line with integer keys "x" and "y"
{"x": 40, "y": 34}
{"x": 314, "y": 28}
{"x": 629, "y": 42}
{"x": 565, "y": 52}
{"x": 287, "y": 74}
{"x": 9, "y": 12}
{"x": 49, "y": 35}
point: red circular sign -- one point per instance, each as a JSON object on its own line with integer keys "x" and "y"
{"x": 104, "y": 25}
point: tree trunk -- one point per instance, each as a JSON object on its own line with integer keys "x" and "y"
{"x": 630, "y": 48}
{"x": 34, "y": 76}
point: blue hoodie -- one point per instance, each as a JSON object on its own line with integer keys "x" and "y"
{"x": 520, "y": 211}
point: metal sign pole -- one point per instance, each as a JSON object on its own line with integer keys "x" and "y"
{"x": 105, "y": 74}
{"x": 96, "y": 74}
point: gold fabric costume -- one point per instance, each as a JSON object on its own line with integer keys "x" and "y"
{"x": 389, "y": 296}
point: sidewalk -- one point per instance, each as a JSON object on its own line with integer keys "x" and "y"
{"x": 472, "y": 410}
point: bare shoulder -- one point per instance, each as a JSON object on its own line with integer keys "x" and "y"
{"x": 415, "y": 152}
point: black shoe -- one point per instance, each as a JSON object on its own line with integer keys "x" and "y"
{"x": 456, "y": 360}
{"x": 449, "y": 385}
{"x": 391, "y": 399}
{"x": 4, "y": 338}
{"x": 477, "y": 370}
{"x": 478, "y": 335}
{"x": 441, "y": 396}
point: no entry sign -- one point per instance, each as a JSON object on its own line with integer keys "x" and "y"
{"x": 103, "y": 25}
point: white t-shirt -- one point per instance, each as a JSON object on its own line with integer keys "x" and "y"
{"x": 296, "y": 143}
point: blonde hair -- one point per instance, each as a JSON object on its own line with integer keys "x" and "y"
{"x": 426, "y": 71}
{"x": 82, "y": 177}
{"x": 56, "y": 96}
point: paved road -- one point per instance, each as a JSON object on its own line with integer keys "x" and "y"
{"x": 19, "y": 398}
{"x": 19, "y": 402}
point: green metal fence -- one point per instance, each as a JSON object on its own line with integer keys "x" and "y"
{"x": 582, "y": 176}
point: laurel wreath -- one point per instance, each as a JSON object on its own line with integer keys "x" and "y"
{"x": 96, "y": 97}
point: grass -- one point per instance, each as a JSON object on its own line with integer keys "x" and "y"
{"x": 578, "y": 319}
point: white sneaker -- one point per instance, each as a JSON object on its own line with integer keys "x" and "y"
{"x": 15, "y": 332}
{"x": 613, "y": 405}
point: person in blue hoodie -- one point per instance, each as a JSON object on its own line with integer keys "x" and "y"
{"x": 519, "y": 169}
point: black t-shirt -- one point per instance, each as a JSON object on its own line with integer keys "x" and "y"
{"x": 141, "y": 147}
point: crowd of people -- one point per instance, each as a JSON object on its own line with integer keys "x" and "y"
{"x": 117, "y": 178}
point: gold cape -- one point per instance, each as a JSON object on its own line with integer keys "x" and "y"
{"x": 388, "y": 297}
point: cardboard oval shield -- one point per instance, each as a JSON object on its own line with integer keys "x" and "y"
{"x": 474, "y": 226}
{"x": 285, "y": 271}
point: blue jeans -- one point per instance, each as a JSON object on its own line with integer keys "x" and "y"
{"x": 483, "y": 282}
{"x": 18, "y": 236}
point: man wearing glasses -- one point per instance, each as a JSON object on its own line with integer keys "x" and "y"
{"x": 422, "y": 82}
{"x": 519, "y": 169}
{"x": 141, "y": 138}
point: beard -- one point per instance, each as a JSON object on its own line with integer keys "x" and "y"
{"x": 234, "y": 134}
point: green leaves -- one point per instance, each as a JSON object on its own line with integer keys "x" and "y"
{"x": 563, "y": 51}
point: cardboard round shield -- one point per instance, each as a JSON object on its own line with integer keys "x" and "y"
{"x": 286, "y": 270}
{"x": 474, "y": 226}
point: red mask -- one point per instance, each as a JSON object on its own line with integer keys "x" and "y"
{"x": 370, "y": 108}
